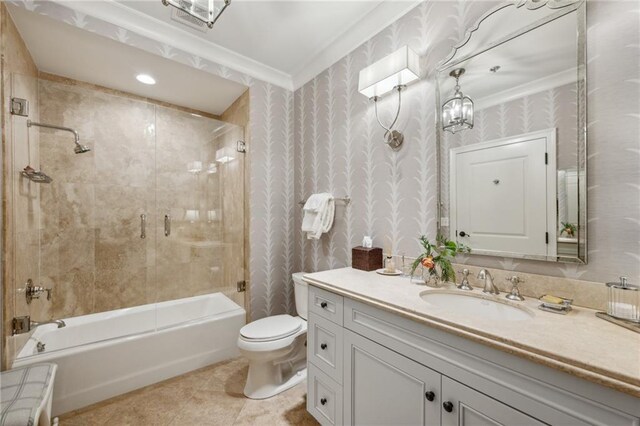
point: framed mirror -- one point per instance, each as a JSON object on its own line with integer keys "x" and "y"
{"x": 511, "y": 133}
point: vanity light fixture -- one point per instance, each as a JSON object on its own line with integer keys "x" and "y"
{"x": 205, "y": 11}
{"x": 391, "y": 73}
{"x": 224, "y": 155}
{"x": 457, "y": 111}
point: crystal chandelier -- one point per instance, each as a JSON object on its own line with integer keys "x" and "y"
{"x": 457, "y": 111}
{"x": 206, "y": 11}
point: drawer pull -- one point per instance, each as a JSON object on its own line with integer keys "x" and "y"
{"x": 323, "y": 305}
{"x": 448, "y": 406}
{"x": 430, "y": 396}
{"x": 323, "y": 401}
{"x": 323, "y": 346}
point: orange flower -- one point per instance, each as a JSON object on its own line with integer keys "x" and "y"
{"x": 428, "y": 263}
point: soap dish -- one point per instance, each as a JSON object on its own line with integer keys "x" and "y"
{"x": 562, "y": 308}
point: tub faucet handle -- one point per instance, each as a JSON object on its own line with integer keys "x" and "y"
{"x": 32, "y": 291}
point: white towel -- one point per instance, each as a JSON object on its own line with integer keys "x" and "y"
{"x": 319, "y": 212}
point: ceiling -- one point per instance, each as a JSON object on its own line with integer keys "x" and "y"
{"x": 99, "y": 60}
{"x": 286, "y": 43}
{"x": 538, "y": 60}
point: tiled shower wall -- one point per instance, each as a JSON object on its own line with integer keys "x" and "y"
{"x": 92, "y": 254}
{"x": 339, "y": 145}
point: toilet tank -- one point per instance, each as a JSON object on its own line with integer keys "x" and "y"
{"x": 300, "y": 289}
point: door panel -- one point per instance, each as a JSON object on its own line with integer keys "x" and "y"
{"x": 470, "y": 407}
{"x": 385, "y": 388}
{"x": 499, "y": 196}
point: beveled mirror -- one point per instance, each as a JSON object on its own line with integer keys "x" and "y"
{"x": 511, "y": 140}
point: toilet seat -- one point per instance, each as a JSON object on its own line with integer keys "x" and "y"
{"x": 271, "y": 328}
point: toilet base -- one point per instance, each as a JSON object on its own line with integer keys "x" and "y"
{"x": 260, "y": 381}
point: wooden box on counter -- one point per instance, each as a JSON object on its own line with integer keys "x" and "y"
{"x": 366, "y": 259}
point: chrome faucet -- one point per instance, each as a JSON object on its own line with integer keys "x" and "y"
{"x": 24, "y": 324}
{"x": 489, "y": 286}
{"x": 35, "y": 324}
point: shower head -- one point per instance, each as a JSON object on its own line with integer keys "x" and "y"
{"x": 81, "y": 149}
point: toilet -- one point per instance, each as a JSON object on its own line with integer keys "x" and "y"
{"x": 276, "y": 348}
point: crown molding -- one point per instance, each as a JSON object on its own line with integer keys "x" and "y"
{"x": 341, "y": 45}
{"x": 155, "y": 29}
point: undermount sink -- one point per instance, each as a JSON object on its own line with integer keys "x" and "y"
{"x": 484, "y": 307}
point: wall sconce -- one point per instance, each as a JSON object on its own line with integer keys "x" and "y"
{"x": 457, "y": 112}
{"x": 393, "y": 72}
{"x": 224, "y": 155}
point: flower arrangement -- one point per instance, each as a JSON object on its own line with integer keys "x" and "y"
{"x": 438, "y": 256}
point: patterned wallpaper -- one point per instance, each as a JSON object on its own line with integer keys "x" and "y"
{"x": 339, "y": 146}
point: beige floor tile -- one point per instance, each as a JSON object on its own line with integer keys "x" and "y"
{"x": 210, "y": 408}
{"x": 288, "y": 408}
{"x": 208, "y": 396}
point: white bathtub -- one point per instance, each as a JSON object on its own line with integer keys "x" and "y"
{"x": 103, "y": 355}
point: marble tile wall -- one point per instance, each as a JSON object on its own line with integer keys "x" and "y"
{"x": 91, "y": 250}
{"x": 21, "y": 201}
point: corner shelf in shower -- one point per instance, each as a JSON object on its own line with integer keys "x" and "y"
{"x": 35, "y": 176}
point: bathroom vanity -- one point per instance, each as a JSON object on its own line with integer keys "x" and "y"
{"x": 381, "y": 350}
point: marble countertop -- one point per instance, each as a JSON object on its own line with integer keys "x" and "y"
{"x": 578, "y": 343}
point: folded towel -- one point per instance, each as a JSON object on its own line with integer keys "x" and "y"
{"x": 318, "y": 221}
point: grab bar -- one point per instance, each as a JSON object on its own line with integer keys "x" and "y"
{"x": 143, "y": 226}
{"x": 167, "y": 225}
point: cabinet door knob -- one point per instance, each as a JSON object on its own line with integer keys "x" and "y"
{"x": 464, "y": 234}
{"x": 448, "y": 406}
{"x": 323, "y": 346}
{"x": 323, "y": 401}
{"x": 323, "y": 305}
{"x": 430, "y": 396}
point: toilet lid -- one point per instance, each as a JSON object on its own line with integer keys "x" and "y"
{"x": 271, "y": 328}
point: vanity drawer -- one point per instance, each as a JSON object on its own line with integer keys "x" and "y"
{"x": 326, "y": 304}
{"x": 324, "y": 397}
{"x": 324, "y": 346}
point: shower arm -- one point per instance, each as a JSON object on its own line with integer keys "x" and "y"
{"x": 52, "y": 126}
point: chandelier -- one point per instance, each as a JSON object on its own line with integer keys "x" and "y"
{"x": 205, "y": 11}
{"x": 457, "y": 111}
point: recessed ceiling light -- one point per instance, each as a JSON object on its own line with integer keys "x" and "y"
{"x": 145, "y": 79}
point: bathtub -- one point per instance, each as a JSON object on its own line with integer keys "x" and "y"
{"x": 106, "y": 354}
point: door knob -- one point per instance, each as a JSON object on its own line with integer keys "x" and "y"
{"x": 323, "y": 401}
{"x": 464, "y": 234}
{"x": 323, "y": 346}
{"x": 323, "y": 305}
{"x": 430, "y": 396}
{"x": 448, "y": 406}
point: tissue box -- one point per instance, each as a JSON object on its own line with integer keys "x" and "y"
{"x": 366, "y": 259}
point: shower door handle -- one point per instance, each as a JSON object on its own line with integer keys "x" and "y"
{"x": 167, "y": 225}
{"x": 143, "y": 226}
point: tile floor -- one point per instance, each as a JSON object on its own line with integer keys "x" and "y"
{"x": 209, "y": 396}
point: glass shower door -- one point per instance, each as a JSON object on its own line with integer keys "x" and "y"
{"x": 200, "y": 209}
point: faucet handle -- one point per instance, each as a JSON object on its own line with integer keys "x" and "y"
{"x": 514, "y": 294}
{"x": 464, "y": 285}
{"x": 515, "y": 280}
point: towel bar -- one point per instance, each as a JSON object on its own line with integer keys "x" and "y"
{"x": 345, "y": 200}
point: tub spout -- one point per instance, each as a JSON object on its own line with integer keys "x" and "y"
{"x": 60, "y": 323}
{"x": 24, "y": 324}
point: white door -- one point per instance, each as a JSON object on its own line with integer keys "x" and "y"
{"x": 463, "y": 406}
{"x": 503, "y": 195}
{"x": 382, "y": 387}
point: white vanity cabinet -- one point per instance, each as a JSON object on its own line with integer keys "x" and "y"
{"x": 374, "y": 367}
